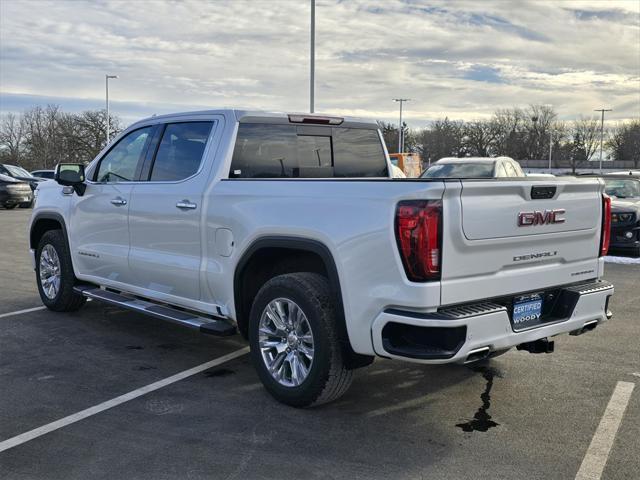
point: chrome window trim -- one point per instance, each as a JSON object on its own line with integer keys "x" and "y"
{"x": 215, "y": 122}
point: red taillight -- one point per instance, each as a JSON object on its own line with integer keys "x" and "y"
{"x": 605, "y": 235}
{"x": 418, "y": 232}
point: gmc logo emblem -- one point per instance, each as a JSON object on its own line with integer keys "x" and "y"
{"x": 528, "y": 219}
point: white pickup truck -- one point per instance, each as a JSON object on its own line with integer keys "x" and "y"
{"x": 290, "y": 230}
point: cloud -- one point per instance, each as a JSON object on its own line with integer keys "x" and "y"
{"x": 458, "y": 59}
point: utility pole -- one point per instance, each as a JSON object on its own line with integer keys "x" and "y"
{"x": 550, "y": 147}
{"x": 601, "y": 110}
{"x": 312, "y": 80}
{"x": 106, "y": 80}
{"x": 400, "y": 139}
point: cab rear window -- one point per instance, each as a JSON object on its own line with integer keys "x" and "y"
{"x": 290, "y": 151}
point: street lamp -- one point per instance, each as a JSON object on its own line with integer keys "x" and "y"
{"x": 400, "y": 100}
{"x": 550, "y": 147}
{"x": 602, "y": 110}
{"x": 106, "y": 81}
{"x": 312, "y": 66}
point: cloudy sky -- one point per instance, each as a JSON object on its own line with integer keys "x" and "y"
{"x": 459, "y": 59}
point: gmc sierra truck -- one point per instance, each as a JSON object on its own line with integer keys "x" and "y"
{"x": 289, "y": 229}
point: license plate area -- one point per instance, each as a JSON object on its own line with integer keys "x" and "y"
{"x": 527, "y": 311}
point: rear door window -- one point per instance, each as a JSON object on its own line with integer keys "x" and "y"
{"x": 180, "y": 151}
{"x": 290, "y": 151}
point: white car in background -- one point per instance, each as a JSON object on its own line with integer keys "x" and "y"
{"x": 474, "y": 167}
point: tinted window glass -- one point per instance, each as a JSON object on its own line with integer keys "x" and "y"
{"x": 358, "y": 153}
{"x": 264, "y": 151}
{"x": 289, "y": 151}
{"x": 459, "y": 170}
{"x": 17, "y": 171}
{"x": 622, "y": 188}
{"x": 119, "y": 165}
{"x": 180, "y": 151}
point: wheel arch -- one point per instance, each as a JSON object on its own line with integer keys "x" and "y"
{"x": 42, "y": 223}
{"x": 269, "y": 256}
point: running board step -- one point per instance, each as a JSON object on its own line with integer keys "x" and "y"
{"x": 210, "y": 326}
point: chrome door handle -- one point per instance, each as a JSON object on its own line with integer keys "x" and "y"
{"x": 118, "y": 202}
{"x": 186, "y": 205}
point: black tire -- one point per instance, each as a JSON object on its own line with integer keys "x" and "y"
{"x": 10, "y": 207}
{"x": 66, "y": 300}
{"x": 328, "y": 379}
{"x": 26, "y": 205}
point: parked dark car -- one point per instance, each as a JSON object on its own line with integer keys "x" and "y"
{"x": 624, "y": 191}
{"x": 14, "y": 192}
{"x": 46, "y": 174}
{"x": 20, "y": 173}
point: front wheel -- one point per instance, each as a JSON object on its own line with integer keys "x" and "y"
{"x": 295, "y": 344}
{"x": 54, "y": 274}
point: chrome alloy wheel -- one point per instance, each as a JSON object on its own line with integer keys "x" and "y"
{"x": 49, "y": 271}
{"x": 286, "y": 342}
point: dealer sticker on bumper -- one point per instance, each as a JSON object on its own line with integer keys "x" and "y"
{"x": 527, "y": 311}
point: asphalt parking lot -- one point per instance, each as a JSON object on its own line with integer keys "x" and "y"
{"x": 520, "y": 416}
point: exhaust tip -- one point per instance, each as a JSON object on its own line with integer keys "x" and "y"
{"x": 477, "y": 354}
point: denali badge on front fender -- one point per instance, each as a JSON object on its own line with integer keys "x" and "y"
{"x": 527, "y": 219}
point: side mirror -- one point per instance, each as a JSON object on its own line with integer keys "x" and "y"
{"x": 71, "y": 175}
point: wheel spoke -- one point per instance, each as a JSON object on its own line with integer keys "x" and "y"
{"x": 303, "y": 371}
{"x": 292, "y": 359}
{"x": 307, "y": 351}
{"x": 279, "y": 345}
{"x": 276, "y": 319}
{"x": 277, "y": 362}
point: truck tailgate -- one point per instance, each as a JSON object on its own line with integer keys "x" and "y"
{"x": 511, "y": 236}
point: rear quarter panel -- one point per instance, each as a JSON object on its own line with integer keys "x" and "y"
{"x": 353, "y": 219}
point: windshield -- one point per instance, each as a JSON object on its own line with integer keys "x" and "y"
{"x": 17, "y": 171}
{"x": 620, "y": 188}
{"x": 459, "y": 170}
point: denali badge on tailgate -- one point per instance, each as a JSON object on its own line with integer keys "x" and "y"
{"x": 527, "y": 219}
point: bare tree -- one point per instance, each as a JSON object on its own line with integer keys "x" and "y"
{"x": 625, "y": 142}
{"x": 442, "y": 139}
{"x": 41, "y": 137}
{"x": 584, "y": 141}
{"x": 12, "y": 139}
{"x": 509, "y": 127}
{"x": 479, "y": 137}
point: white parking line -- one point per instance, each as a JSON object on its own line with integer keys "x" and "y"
{"x": 114, "y": 402}
{"x": 18, "y": 312}
{"x": 602, "y": 441}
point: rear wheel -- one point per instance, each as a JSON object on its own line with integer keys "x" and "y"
{"x": 10, "y": 206}
{"x": 294, "y": 341}
{"x": 54, "y": 274}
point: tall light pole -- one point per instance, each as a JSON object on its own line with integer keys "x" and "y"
{"x": 550, "y": 147}
{"x": 312, "y": 80}
{"x": 601, "y": 110}
{"x": 401, "y": 101}
{"x": 106, "y": 82}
